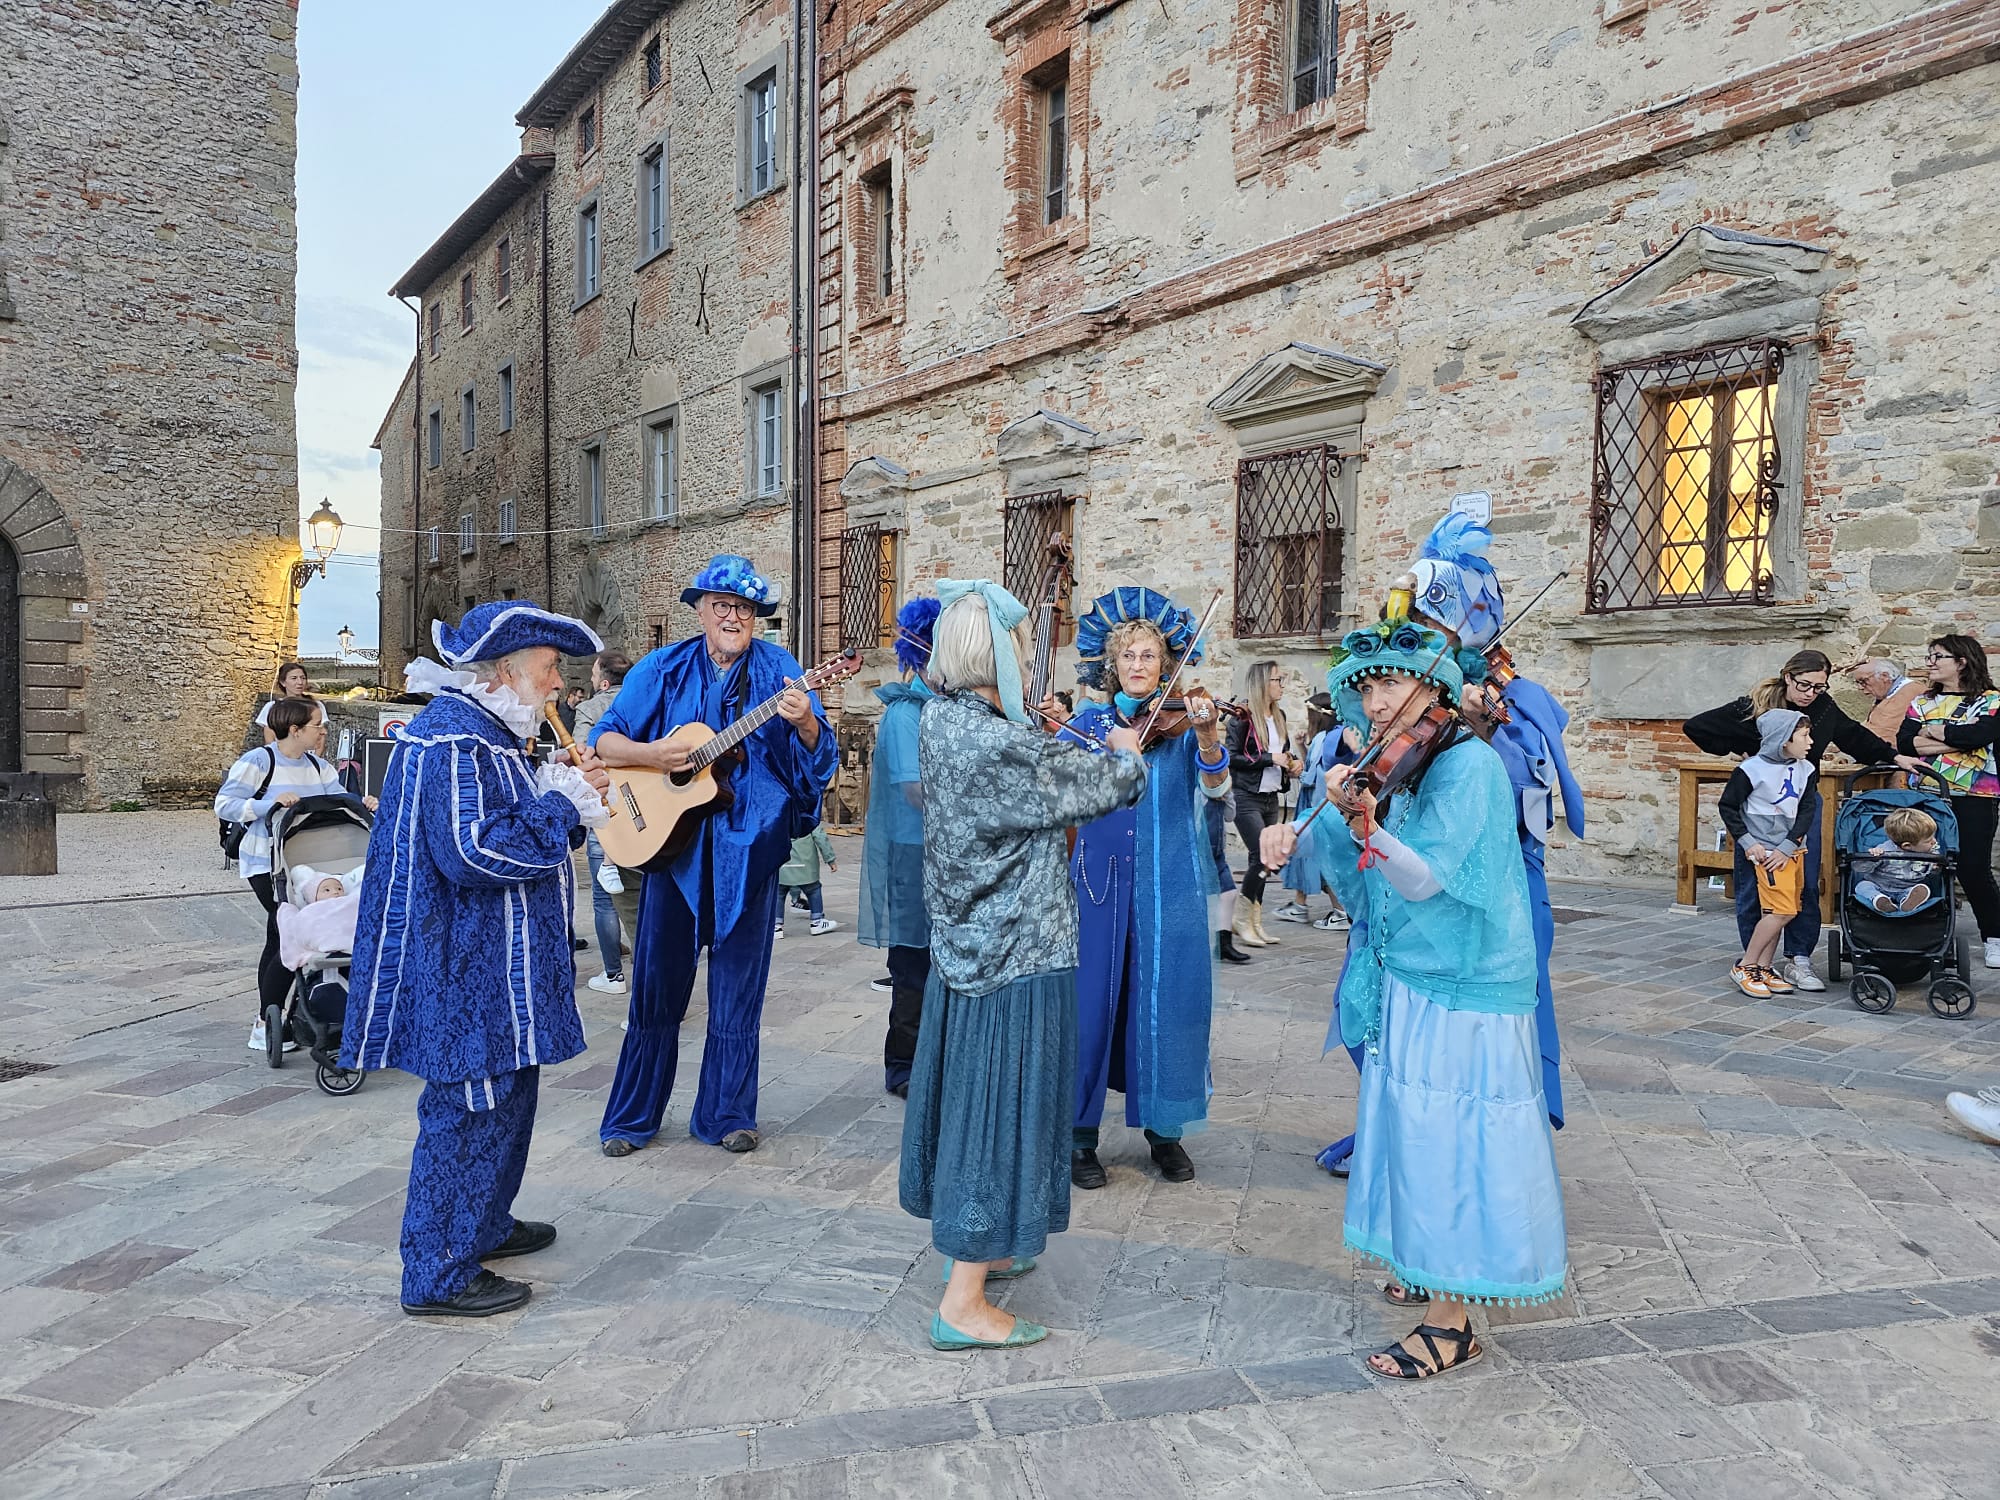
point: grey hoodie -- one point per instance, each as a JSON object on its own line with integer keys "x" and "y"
{"x": 1764, "y": 799}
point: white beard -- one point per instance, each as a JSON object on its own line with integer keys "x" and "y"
{"x": 426, "y": 676}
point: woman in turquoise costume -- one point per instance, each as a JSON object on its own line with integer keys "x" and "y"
{"x": 1143, "y": 876}
{"x": 1453, "y": 1185}
{"x": 993, "y": 1083}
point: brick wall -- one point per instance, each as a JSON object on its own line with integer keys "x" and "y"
{"x": 148, "y": 457}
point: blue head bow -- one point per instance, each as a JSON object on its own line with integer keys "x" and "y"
{"x": 1003, "y": 613}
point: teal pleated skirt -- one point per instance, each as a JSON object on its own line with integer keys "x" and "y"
{"x": 986, "y": 1137}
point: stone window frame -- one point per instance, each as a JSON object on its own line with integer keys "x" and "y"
{"x": 592, "y": 488}
{"x": 466, "y": 293}
{"x": 1750, "y": 288}
{"x": 503, "y": 270}
{"x": 874, "y": 147}
{"x": 653, "y": 59}
{"x": 1036, "y": 35}
{"x": 507, "y": 531}
{"x": 659, "y": 149}
{"x": 776, "y": 64}
{"x": 434, "y": 436}
{"x": 468, "y": 534}
{"x": 508, "y": 389}
{"x": 1265, "y": 130}
{"x": 774, "y": 376}
{"x": 1617, "y": 12}
{"x": 1298, "y": 397}
{"x": 434, "y": 553}
{"x": 589, "y": 213}
{"x": 468, "y": 417}
{"x": 660, "y": 509}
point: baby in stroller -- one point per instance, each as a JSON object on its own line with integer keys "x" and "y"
{"x": 1896, "y": 887}
{"x": 318, "y": 864}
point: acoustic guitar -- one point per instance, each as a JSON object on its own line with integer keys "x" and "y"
{"x": 655, "y": 815}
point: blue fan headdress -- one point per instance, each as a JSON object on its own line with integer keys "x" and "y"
{"x": 1455, "y": 584}
{"x": 1130, "y": 602}
{"x": 914, "y": 622}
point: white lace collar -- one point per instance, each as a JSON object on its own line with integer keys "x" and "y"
{"x": 426, "y": 676}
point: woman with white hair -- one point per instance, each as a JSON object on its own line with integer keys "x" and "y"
{"x": 986, "y": 1139}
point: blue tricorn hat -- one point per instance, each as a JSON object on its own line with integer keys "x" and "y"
{"x": 490, "y": 631}
{"x": 727, "y": 573}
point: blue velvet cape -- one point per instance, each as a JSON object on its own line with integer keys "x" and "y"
{"x": 1165, "y": 912}
{"x": 462, "y": 966}
{"x": 892, "y": 913}
{"x": 777, "y": 790}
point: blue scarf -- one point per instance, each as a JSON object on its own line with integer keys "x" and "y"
{"x": 1003, "y": 613}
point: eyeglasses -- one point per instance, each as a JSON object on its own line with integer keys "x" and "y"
{"x": 1809, "y": 687}
{"x": 1139, "y": 658}
{"x": 727, "y": 605}
{"x": 1932, "y": 658}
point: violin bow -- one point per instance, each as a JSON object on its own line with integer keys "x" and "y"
{"x": 1194, "y": 645}
{"x": 1527, "y": 608}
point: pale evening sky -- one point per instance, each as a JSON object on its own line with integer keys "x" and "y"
{"x": 406, "y": 111}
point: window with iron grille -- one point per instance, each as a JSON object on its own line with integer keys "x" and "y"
{"x": 654, "y": 72}
{"x": 586, "y": 131}
{"x": 1684, "y": 487}
{"x": 867, "y": 586}
{"x": 1029, "y": 523}
{"x": 1289, "y": 539}
{"x": 1315, "y": 44}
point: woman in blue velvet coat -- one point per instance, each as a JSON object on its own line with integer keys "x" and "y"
{"x": 1143, "y": 876}
{"x": 721, "y": 892}
{"x": 462, "y": 968}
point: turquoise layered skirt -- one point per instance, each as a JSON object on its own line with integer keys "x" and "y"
{"x": 1454, "y": 1183}
{"x": 986, "y": 1134}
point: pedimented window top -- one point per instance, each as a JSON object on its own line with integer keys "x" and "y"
{"x": 1295, "y": 381}
{"x": 1710, "y": 286}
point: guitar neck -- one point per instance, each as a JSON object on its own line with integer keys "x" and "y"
{"x": 728, "y": 739}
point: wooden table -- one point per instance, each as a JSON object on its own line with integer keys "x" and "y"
{"x": 1693, "y": 860}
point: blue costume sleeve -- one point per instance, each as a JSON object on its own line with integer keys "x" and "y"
{"x": 485, "y": 831}
{"x": 1536, "y": 735}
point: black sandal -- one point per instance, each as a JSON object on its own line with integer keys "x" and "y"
{"x": 1404, "y": 1296}
{"x": 1409, "y": 1368}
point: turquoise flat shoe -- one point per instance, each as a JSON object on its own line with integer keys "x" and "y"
{"x": 1021, "y": 1265}
{"x": 944, "y": 1336}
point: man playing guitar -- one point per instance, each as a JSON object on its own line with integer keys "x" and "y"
{"x": 721, "y": 890}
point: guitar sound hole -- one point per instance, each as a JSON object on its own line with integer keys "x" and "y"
{"x": 680, "y": 778}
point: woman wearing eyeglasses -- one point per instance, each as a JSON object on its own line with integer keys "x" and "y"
{"x": 1801, "y": 684}
{"x": 1951, "y": 729}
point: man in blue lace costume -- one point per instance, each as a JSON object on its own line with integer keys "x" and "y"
{"x": 721, "y": 892}
{"x": 893, "y": 915}
{"x": 462, "y": 971}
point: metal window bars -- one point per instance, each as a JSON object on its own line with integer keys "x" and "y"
{"x": 868, "y": 586}
{"x": 1028, "y": 522}
{"x": 1289, "y": 542}
{"x": 1684, "y": 484}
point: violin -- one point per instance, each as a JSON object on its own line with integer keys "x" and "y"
{"x": 1058, "y": 573}
{"x": 1176, "y": 716}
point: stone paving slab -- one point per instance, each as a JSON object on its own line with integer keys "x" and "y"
{"x": 1787, "y": 1276}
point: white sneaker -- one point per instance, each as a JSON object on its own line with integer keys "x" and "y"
{"x": 883, "y": 983}
{"x": 823, "y": 925}
{"x": 1292, "y": 912}
{"x": 1334, "y": 921}
{"x": 259, "y": 1039}
{"x": 1800, "y": 972}
{"x": 604, "y": 984}
{"x": 781, "y": 930}
{"x": 609, "y": 879}
{"x": 1993, "y": 953}
{"x": 1978, "y": 1113}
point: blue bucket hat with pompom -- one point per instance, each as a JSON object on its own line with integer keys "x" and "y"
{"x": 728, "y": 573}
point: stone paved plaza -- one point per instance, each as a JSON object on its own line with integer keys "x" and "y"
{"x": 1787, "y": 1277}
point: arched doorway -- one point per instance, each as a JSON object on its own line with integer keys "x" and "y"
{"x": 10, "y": 658}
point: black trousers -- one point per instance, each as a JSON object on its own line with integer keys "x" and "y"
{"x": 1255, "y": 811}
{"x": 1977, "y": 818}
{"x": 274, "y": 980}
{"x": 909, "y": 971}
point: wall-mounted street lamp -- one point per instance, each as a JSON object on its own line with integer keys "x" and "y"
{"x": 322, "y": 535}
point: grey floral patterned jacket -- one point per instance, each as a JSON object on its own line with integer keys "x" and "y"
{"x": 997, "y": 796}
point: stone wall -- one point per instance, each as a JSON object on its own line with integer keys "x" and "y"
{"x": 148, "y": 458}
{"x": 1443, "y": 312}
{"x": 683, "y": 333}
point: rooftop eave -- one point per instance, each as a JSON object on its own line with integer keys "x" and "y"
{"x": 504, "y": 192}
{"x": 615, "y": 33}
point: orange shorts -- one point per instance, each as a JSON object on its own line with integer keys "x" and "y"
{"x": 1779, "y": 890}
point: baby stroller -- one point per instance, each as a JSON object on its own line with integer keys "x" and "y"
{"x": 328, "y": 834}
{"x": 1889, "y": 950}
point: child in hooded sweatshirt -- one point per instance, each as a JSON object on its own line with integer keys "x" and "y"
{"x": 1766, "y": 809}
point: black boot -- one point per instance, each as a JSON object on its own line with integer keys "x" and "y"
{"x": 1172, "y": 1161}
{"x": 1226, "y": 949}
{"x": 1085, "y": 1170}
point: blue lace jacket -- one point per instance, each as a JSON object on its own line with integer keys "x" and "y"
{"x": 462, "y": 967}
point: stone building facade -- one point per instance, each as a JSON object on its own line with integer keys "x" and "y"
{"x": 1242, "y": 293}
{"x": 602, "y": 394}
{"x": 148, "y": 456}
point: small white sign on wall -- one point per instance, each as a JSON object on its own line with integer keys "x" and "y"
{"x": 1477, "y": 504}
{"x": 78, "y": 607}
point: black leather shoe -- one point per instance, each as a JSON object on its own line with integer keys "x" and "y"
{"x": 740, "y": 1141}
{"x": 1227, "y": 950}
{"x": 485, "y": 1295}
{"x": 1172, "y": 1161}
{"x": 1085, "y": 1170}
{"x": 526, "y": 1239}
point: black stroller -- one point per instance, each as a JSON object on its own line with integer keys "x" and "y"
{"x": 1887, "y": 949}
{"x": 328, "y": 834}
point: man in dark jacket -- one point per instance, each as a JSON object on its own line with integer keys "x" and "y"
{"x": 1732, "y": 730}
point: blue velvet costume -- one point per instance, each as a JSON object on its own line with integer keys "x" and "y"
{"x": 463, "y": 974}
{"x": 1145, "y": 991}
{"x": 720, "y": 893}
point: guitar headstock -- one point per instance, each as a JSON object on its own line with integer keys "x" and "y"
{"x": 834, "y": 669}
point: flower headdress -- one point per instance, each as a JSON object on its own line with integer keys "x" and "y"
{"x": 1393, "y": 646}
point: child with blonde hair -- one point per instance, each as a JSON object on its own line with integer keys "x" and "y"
{"x": 1897, "y": 887}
